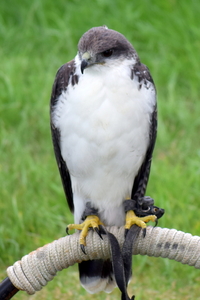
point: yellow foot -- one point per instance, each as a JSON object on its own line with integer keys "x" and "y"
{"x": 90, "y": 222}
{"x": 132, "y": 219}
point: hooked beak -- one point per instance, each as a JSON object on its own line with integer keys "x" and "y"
{"x": 85, "y": 61}
{"x": 84, "y": 65}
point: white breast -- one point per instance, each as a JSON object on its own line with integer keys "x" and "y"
{"x": 104, "y": 123}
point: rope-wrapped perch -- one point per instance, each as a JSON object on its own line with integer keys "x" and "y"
{"x": 40, "y": 266}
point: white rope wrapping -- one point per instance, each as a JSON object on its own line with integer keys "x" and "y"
{"x": 40, "y": 266}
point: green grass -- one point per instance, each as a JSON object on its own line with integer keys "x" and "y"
{"x": 36, "y": 38}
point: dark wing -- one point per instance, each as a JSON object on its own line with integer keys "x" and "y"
{"x": 141, "y": 180}
{"x": 64, "y": 76}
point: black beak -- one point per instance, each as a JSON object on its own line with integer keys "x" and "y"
{"x": 84, "y": 65}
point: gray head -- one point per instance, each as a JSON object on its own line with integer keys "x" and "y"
{"x": 100, "y": 44}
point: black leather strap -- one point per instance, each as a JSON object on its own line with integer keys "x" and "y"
{"x": 147, "y": 208}
{"x": 118, "y": 265}
{"x": 127, "y": 250}
{"x": 89, "y": 210}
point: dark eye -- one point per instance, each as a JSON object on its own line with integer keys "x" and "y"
{"x": 107, "y": 53}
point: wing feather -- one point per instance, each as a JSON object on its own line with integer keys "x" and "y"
{"x": 65, "y": 75}
{"x": 141, "y": 180}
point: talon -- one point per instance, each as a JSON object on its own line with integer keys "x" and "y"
{"x": 83, "y": 249}
{"x": 67, "y": 230}
{"x": 144, "y": 231}
{"x": 98, "y": 232}
{"x": 102, "y": 230}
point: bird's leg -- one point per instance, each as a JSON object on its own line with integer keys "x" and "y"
{"x": 141, "y": 212}
{"x": 91, "y": 220}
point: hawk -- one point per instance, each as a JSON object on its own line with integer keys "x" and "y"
{"x": 103, "y": 123}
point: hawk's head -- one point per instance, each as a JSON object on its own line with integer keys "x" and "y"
{"x": 99, "y": 45}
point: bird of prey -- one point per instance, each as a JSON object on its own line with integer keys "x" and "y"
{"x": 104, "y": 123}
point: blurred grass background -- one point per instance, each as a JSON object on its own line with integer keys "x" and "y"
{"x": 36, "y": 38}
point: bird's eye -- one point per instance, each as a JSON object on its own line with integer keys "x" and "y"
{"x": 107, "y": 53}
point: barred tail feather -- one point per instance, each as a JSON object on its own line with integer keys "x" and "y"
{"x": 97, "y": 276}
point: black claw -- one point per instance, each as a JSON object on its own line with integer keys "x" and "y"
{"x": 98, "y": 232}
{"x": 67, "y": 230}
{"x": 144, "y": 231}
{"x": 156, "y": 222}
{"x": 102, "y": 230}
{"x": 83, "y": 249}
